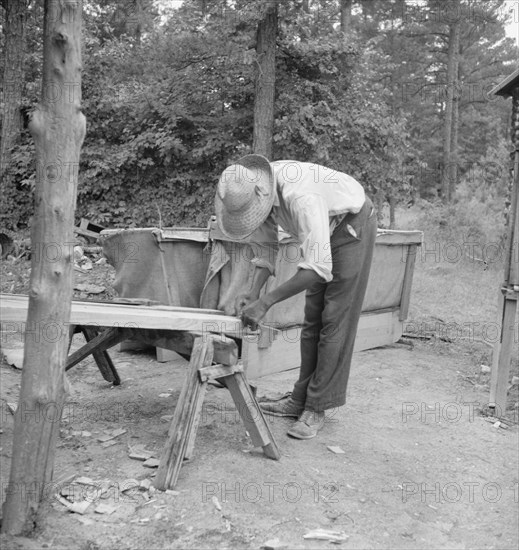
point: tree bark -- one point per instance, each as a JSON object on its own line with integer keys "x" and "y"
{"x": 455, "y": 169}
{"x": 449, "y": 166}
{"x": 393, "y": 82}
{"x": 346, "y": 16}
{"x": 15, "y": 46}
{"x": 265, "y": 80}
{"x": 392, "y": 212}
{"x": 367, "y": 9}
{"x": 306, "y": 6}
{"x": 58, "y": 129}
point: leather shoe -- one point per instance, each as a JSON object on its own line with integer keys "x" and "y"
{"x": 284, "y": 407}
{"x": 308, "y": 425}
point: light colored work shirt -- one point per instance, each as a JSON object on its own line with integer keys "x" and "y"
{"x": 311, "y": 201}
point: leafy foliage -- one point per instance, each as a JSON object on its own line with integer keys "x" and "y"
{"x": 168, "y": 96}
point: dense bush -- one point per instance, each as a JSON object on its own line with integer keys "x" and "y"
{"x": 167, "y": 112}
{"x": 169, "y": 103}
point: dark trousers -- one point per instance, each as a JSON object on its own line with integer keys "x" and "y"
{"x": 332, "y": 312}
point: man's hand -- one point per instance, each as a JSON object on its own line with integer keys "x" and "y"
{"x": 253, "y": 313}
{"x": 243, "y": 300}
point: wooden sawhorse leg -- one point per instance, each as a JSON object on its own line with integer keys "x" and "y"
{"x": 251, "y": 414}
{"x": 186, "y": 418}
{"x": 97, "y": 344}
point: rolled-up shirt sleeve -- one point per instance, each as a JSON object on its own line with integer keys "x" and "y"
{"x": 312, "y": 215}
{"x": 265, "y": 245}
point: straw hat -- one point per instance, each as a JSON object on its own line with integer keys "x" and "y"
{"x": 244, "y": 196}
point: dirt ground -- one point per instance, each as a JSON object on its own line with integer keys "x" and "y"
{"x": 423, "y": 467}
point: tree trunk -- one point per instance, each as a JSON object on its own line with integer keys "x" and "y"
{"x": 306, "y": 6}
{"x": 393, "y": 83}
{"x": 392, "y": 212}
{"x": 15, "y": 46}
{"x": 455, "y": 169}
{"x": 58, "y": 129}
{"x": 139, "y": 16}
{"x": 265, "y": 80}
{"x": 449, "y": 167}
{"x": 367, "y": 9}
{"x": 346, "y": 16}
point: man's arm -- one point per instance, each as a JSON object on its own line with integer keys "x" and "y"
{"x": 259, "y": 278}
{"x": 254, "y": 312}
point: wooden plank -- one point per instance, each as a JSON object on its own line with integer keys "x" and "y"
{"x": 218, "y": 371}
{"x": 14, "y": 308}
{"x": 225, "y": 349}
{"x": 251, "y": 415}
{"x": 168, "y": 233}
{"x": 502, "y": 356}
{"x": 184, "y": 234}
{"x": 267, "y": 335}
{"x": 164, "y": 355}
{"x": 384, "y": 236}
{"x": 395, "y": 237}
{"x": 375, "y": 329}
{"x": 186, "y": 417}
{"x": 196, "y": 409}
{"x": 496, "y": 351}
{"x": 405, "y": 300}
{"x": 281, "y": 356}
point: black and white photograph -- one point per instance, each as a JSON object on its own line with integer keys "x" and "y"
{"x": 259, "y": 274}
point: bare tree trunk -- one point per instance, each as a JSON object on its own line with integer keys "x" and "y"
{"x": 15, "y": 45}
{"x": 58, "y": 129}
{"x": 346, "y": 16}
{"x": 392, "y": 212}
{"x": 393, "y": 82}
{"x": 306, "y": 6}
{"x": 367, "y": 9}
{"x": 455, "y": 169}
{"x": 139, "y": 16}
{"x": 449, "y": 167}
{"x": 265, "y": 80}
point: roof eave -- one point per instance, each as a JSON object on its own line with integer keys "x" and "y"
{"x": 505, "y": 87}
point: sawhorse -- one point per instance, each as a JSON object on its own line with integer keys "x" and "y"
{"x": 98, "y": 341}
{"x": 202, "y": 349}
{"x": 182, "y": 432}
